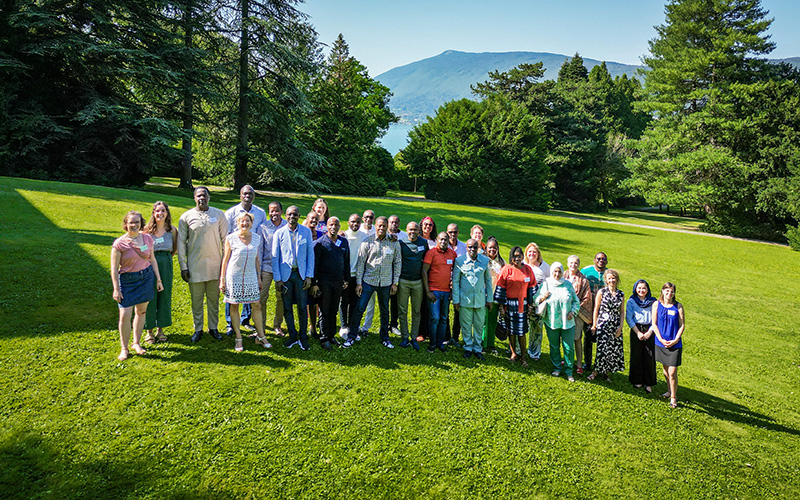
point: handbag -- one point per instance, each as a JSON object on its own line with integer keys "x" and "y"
{"x": 541, "y": 308}
{"x": 501, "y": 331}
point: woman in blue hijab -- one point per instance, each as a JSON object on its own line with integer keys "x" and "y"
{"x": 638, "y": 314}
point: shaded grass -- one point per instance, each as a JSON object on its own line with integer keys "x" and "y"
{"x": 199, "y": 421}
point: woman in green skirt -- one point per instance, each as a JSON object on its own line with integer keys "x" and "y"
{"x": 165, "y": 235}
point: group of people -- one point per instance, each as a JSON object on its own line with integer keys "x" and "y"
{"x": 320, "y": 271}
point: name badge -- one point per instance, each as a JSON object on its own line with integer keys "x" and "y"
{"x": 671, "y": 313}
{"x": 338, "y": 243}
{"x": 143, "y": 248}
{"x": 160, "y": 239}
{"x": 449, "y": 261}
{"x": 212, "y": 219}
{"x": 527, "y": 280}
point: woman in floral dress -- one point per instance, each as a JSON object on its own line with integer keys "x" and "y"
{"x": 609, "y": 309}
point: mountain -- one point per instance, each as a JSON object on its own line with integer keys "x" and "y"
{"x": 421, "y": 87}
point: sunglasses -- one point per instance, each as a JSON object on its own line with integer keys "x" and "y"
{"x": 472, "y": 246}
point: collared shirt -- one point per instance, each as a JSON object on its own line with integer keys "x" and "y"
{"x": 354, "y": 240}
{"x": 292, "y": 249}
{"x": 472, "y": 282}
{"x": 413, "y": 253}
{"x": 379, "y": 262}
{"x": 267, "y": 232}
{"x": 440, "y": 272}
{"x": 595, "y": 278}
{"x": 460, "y": 248}
{"x": 201, "y": 239}
{"x": 331, "y": 259}
{"x": 371, "y": 231}
{"x": 259, "y": 217}
{"x": 401, "y": 235}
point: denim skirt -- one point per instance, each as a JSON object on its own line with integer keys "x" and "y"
{"x": 137, "y": 287}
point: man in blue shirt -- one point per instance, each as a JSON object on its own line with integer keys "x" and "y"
{"x": 332, "y": 271}
{"x": 472, "y": 295}
{"x": 293, "y": 271}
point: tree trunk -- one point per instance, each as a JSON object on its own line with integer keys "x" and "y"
{"x": 188, "y": 107}
{"x": 243, "y": 121}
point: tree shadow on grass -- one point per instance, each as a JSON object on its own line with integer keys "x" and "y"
{"x": 32, "y": 467}
{"x": 701, "y": 402}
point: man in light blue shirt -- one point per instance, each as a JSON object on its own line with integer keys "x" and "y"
{"x": 293, "y": 271}
{"x": 472, "y": 295}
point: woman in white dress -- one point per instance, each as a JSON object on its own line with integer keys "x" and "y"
{"x": 240, "y": 279}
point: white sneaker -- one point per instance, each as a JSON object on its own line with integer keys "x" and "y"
{"x": 344, "y": 332}
{"x": 396, "y": 331}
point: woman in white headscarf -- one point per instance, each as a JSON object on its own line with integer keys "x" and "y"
{"x": 559, "y": 305}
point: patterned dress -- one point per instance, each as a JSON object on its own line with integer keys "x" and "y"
{"x": 241, "y": 276}
{"x": 610, "y": 351}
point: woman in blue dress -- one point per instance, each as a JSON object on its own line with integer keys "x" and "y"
{"x": 668, "y": 325}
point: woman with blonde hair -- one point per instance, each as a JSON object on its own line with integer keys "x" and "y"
{"x": 668, "y": 325}
{"x": 541, "y": 271}
{"x": 135, "y": 277}
{"x": 609, "y": 309}
{"x": 165, "y": 246}
{"x": 240, "y": 277}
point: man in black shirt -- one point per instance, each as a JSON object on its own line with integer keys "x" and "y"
{"x": 332, "y": 271}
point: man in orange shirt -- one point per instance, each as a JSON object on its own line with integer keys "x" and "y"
{"x": 437, "y": 273}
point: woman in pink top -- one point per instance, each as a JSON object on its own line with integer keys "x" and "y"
{"x": 133, "y": 270}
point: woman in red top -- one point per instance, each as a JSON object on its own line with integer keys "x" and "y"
{"x": 514, "y": 292}
{"x": 133, "y": 269}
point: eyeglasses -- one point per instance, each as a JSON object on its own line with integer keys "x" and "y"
{"x": 452, "y": 232}
{"x": 472, "y": 246}
{"x": 369, "y": 216}
{"x": 600, "y": 258}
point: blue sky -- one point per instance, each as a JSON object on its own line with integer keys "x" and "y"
{"x": 385, "y": 34}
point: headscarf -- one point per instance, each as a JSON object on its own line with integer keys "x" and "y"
{"x": 550, "y": 278}
{"x": 648, "y": 299}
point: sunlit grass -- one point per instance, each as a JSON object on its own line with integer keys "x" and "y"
{"x": 198, "y": 420}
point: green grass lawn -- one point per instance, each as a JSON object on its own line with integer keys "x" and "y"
{"x": 201, "y": 421}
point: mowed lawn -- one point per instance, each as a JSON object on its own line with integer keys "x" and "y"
{"x": 201, "y": 421}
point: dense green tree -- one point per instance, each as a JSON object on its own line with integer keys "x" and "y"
{"x": 470, "y": 145}
{"x": 71, "y": 80}
{"x": 720, "y": 138}
{"x": 350, "y": 112}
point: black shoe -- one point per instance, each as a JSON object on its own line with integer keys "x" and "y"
{"x": 229, "y": 331}
{"x": 479, "y": 355}
{"x": 327, "y": 346}
{"x": 467, "y": 354}
{"x": 314, "y": 335}
{"x": 443, "y": 348}
{"x": 290, "y": 343}
{"x": 303, "y": 346}
{"x": 215, "y": 334}
{"x": 431, "y": 349}
{"x": 197, "y": 335}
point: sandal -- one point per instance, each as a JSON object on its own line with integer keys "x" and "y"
{"x": 123, "y": 355}
{"x": 238, "y": 345}
{"x": 139, "y": 350}
{"x": 263, "y": 341}
{"x": 592, "y": 376}
{"x": 524, "y": 363}
{"x": 161, "y": 337}
{"x": 673, "y": 403}
{"x": 666, "y": 395}
{"x": 648, "y": 389}
{"x": 514, "y": 358}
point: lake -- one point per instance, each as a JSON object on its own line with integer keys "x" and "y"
{"x": 396, "y": 137}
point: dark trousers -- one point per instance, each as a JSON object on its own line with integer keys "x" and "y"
{"x": 349, "y": 301}
{"x": 589, "y": 337}
{"x": 330, "y": 295}
{"x": 425, "y": 317}
{"x": 643, "y": 360}
{"x": 295, "y": 295}
{"x": 384, "y": 292}
{"x": 393, "y": 311}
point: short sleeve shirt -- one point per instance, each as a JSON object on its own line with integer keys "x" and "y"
{"x": 441, "y": 271}
{"x": 133, "y": 257}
